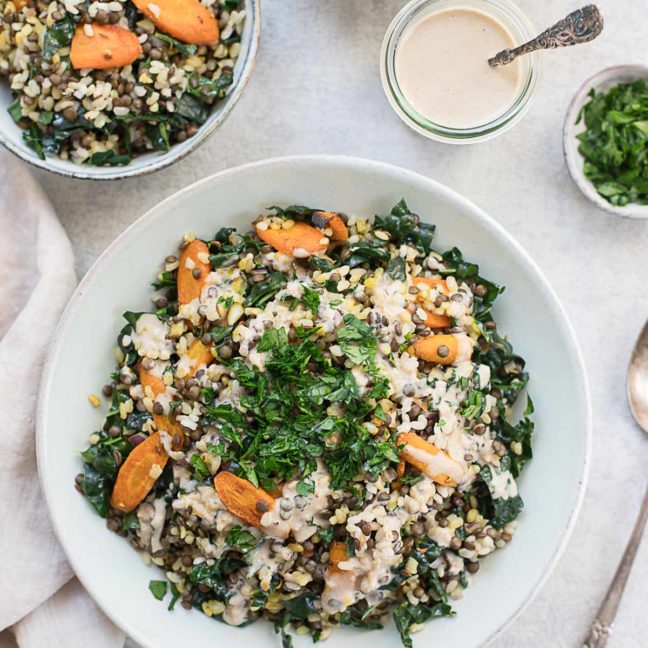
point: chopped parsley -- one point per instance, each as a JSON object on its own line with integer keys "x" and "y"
{"x": 614, "y": 142}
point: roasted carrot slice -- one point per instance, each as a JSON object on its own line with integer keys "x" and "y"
{"x": 434, "y": 320}
{"x": 139, "y": 473}
{"x": 322, "y": 220}
{"x": 186, "y": 20}
{"x": 192, "y": 272}
{"x": 339, "y": 584}
{"x": 242, "y": 498}
{"x": 20, "y": 4}
{"x": 338, "y": 553}
{"x": 430, "y": 460}
{"x": 172, "y": 428}
{"x": 444, "y": 349}
{"x": 200, "y": 354}
{"x": 148, "y": 379}
{"x": 433, "y": 282}
{"x": 301, "y": 240}
{"x": 109, "y": 46}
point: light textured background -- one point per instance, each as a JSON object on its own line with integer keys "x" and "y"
{"x": 316, "y": 89}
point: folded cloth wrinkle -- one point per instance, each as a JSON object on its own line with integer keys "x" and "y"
{"x": 39, "y": 603}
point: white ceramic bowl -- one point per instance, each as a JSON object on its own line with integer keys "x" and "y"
{"x": 81, "y": 358}
{"x": 600, "y": 82}
{"x": 11, "y": 133}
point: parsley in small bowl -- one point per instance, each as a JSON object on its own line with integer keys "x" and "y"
{"x": 606, "y": 140}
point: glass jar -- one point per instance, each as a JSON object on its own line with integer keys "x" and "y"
{"x": 505, "y": 12}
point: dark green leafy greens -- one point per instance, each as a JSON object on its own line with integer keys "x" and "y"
{"x": 499, "y": 510}
{"x": 59, "y": 35}
{"x": 615, "y": 142}
{"x": 287, "y": 423}
{"x": 100, "y": 470}
{"x": 158, "y": 589}
{"x": 406, "y": 227}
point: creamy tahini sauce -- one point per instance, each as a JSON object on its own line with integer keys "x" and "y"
{"x": 442, "y": 68}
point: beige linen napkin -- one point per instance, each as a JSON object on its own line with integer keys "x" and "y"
{"x": 38, "y": 606}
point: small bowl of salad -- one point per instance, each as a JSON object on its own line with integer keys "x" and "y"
{"x": 605, "y": 138}
{"x": 107, "y": 90}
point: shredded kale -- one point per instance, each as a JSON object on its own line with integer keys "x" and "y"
{"x": 214, "y": 577}
{"x": 310, "y": 299}
{"x": 397, "y": 269}
{"x": 59, "y": 35}
{"x": 239, "y": 538}
{"x": 201, "y": 472}
{"x": 15, "y": 110}
{"x": 360, "y": 616}
{"x": 204, "y": 88}
{"x": 301, "y": 606}
{"x": 406, "y": 615}
{"x": 498, "y": 510}
{"x": 100, "y": 470}
{"x": 158, "y": 589}
{"x": 264, "y": 291}
{"x": 178, "y": 46}
{"x": 406, "y": 227}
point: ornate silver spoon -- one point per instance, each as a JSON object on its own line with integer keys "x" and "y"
{"x": 638, "y": 398}
{"x": 580, "y": 26}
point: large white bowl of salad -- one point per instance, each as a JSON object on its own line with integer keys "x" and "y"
{"x": 316, "y": 422}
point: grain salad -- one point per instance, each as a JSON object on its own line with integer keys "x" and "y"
{"x": 313, "y": 425}
{"x": 102, "y": 82}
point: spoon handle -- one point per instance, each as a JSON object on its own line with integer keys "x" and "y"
{"x": 602, "y": 626}
{"x": 580, "y": 26}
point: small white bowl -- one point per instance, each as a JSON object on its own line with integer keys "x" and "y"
{"x": 600, "y": 82}
{"x": 11, "y": 133}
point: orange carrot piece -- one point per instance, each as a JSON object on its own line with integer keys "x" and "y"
{"x": 443, "y": 349}
{"x": 162, "y": 422}
{"x": 148, "y": 379}
{"x": 242, "y": 498}
{"x": 136, "y": 476}
{"x": 434, "y": 320}
{"x": 172, "y": 428}
{"x": 339, "y": 584}
{"x": 433, "y": 282}
{"x": 413, "y": 443}
{"x": 322, "y": 220}
{"x": 200, "y": 355}
{"x": 190, "y": 286}
{"x": 338, "y": 553}
{"x": 20, "y": 4}
{"x": 187, "y": 20}
{"x": 109, "y": 46}
{"x": 301, "y": 240}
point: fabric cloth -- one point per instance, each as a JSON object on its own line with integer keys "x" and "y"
{"x": 39, "y": 603}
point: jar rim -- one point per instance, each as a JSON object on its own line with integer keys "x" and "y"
{"x": 513, "y": 18}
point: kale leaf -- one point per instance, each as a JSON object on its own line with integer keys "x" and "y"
{"x": 59, "y": 35}
{"x": 406, "y": 615}
{"x": 406, "y": 227}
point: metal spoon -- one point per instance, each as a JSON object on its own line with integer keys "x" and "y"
{"x": 580, "y": 26}
{"x": 637, "y": 382}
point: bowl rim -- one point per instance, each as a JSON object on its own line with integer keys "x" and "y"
{"x": 350, "y": 162}
{"x": 166, "y": 159}
{"x": 573, "y": 159}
